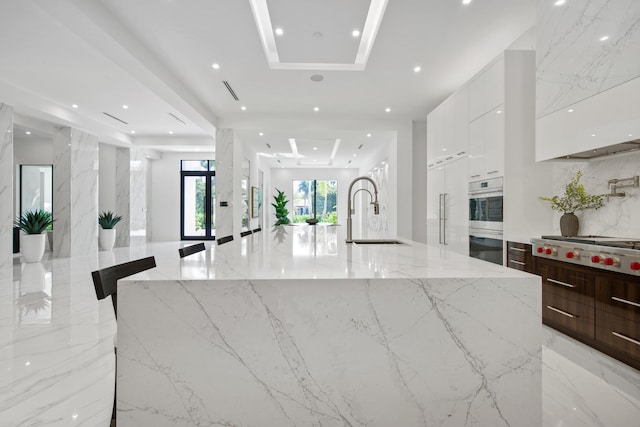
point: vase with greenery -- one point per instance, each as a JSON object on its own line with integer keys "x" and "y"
{"x": 107, "y": 235}
{"x": 32, "y": 241}
{"x": 280, "y": 205}
{"x": 575, "y": 199}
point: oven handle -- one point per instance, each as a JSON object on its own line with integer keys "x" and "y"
{"x": 498, "y": 192}
{"x": 490, "y": 234}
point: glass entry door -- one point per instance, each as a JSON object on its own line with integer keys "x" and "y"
{"x": 197, "y": 189}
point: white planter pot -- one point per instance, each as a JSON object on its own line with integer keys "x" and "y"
{"x": 107, "y": 238}
{"x": 32, "y": 246}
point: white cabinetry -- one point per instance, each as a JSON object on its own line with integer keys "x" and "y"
{"x": 486, "y": 91}
{"x": 487, "y": 145}
{"x": 447, "y": 206}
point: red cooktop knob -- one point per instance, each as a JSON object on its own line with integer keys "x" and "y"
{"x": 540, "y": 250}
{"x": 635, "y": 265}
{"x": 570, "y": 255}
{"x": 595, "y": 259}
{"x": 548, "y": 251}
{"x": 608, "y": 261}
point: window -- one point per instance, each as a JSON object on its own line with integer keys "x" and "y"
{"x": 319, "y": 197}
{"x": 198, "y": 192}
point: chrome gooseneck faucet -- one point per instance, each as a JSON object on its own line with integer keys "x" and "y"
{"x": 351, "y": 210}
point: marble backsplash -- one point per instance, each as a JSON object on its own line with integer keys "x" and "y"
{"x": 378, "y": 225}
{"x": 583, "y": 48}
{"x": 618, "y": 217}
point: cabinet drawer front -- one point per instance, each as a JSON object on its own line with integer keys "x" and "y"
{"x": 568, "y": 314}
{"x": 618, "y": 333}
{"x": 619, "y": 297}
{"x": 518, "y": 265}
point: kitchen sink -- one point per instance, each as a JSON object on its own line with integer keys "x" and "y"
{"x": 378, "y": 242}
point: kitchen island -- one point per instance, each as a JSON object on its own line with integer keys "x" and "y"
{"x": 294, "y": 327}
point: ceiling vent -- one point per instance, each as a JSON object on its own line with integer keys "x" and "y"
{"x": 230, "y": 89}
{"x": 360, "y": 146}
{"x": 178, "y": 118}
{"x": 115, "y": 118}
{"x": 269, "y": 145}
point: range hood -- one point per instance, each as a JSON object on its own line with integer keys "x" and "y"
{"x": 622, "y": 147}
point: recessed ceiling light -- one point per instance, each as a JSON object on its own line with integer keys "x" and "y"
{"x": 560, "y": 2}
{"x": 74, "y": 105}
{"x": 314, "y": 160}
{"x": 28, "y": 133}
{"x": 444, "y": 149}
{"x": 170, "y": 132}
{"x": 315, "y": 148}
{"x": 388, "y": 110}
{"x": 279, "y": 31}
{"x": 261, "y": 134}
{"x": 215, "y": 66}
{"x": 384, "y": 163}
{"x": 368, "y": 135}
{"x": 133, "y": 131}
{"x": 570, "y": 110}
{"x": 604, "y": 38}
{"x": 466, "y": 1}
{"x": 417, "y": 69}
{"x": 355, "y": 33}
{"x": 354, "y": 155}
{"x": 316, "y": 109}
{"x": 243, "y": 108}
{"x": 125, "y": 106}
{"x": 499, "y": 112}
{"x": 593, "y": 134}
{"x": 630, "y": 134}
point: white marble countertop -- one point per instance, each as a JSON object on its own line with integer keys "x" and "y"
{"x": 320, "y": 252}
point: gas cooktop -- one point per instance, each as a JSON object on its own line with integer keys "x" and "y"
{"x": 616, "y": 242}
{"x": 620, "y": 254}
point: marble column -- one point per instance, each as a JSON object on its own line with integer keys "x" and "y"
{"x": 75, "y": 207}
{"x": 6, "y": 186}
{"x": 138, "y": 195}
{"x": 224, "y": 183}
{"x": 123, "y": 196}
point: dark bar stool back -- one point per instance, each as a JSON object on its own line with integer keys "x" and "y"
{"x": 106, "y": 280}
{"x": 189, "y": 250}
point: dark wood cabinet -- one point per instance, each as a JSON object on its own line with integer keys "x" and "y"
{"x": 520, "y": 257}
{"x": 599, "y": 308}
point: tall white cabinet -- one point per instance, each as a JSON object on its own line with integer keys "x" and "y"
{"x": 447, "y": 167}
{"x": 485, "y": 130}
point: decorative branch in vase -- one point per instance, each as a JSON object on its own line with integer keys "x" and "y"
{"x": 575, "y": 199}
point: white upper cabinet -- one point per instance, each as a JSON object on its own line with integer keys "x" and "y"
{"x": 494, "y": 142}
{"x": 486, "y": 91}
{"x": 461, "y": 122}
{"x": 435, "y": 134}
{"x": 476, "y": 149}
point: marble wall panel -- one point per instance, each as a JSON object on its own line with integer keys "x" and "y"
{"x": 224, "y": 182}
{"x": 617, "y": 217}
{"x": 378, "y": 225}
{"x": 139, "y": 168}
{"x": 123, "y": 195}
{"x": 75, "y": 177}
{"x": 573, "y": 63}
{"x": 6, "y": 186}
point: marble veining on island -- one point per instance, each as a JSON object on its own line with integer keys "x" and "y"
{"x": 391, "y": 349}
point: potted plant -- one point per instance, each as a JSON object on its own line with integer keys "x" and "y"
{"x": 32, "y": 241}
{"x": 107, "y": 234}
{"x": 282, "y": 214}
{"x": 575, "y": 199}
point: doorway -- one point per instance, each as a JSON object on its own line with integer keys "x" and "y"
{"x": 197, "y": 199}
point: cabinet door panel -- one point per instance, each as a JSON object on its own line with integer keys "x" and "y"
{"x": 476, "y": 98}
{"x": 435, "y": 187}
{"x": 435, "y": 133}
{"x": 494, "y": 142}
{"x": 494, "y": 85}
{"x": 457, "y": 206}
{"x": 461, "y": 121}
{"x": 476, "y": 149}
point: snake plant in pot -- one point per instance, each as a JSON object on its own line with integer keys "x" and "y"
{"x": 32, "y": 241}
{"x": 107, "y": 234}
{"x": 575, "y": 199}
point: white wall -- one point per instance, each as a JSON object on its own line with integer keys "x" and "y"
{"x": 164, "y": 221}
{"x": 420, "y": 181}
{"x": 282, "y": 179}
{"x": 107, "y": 178}
{"x": 33, "y": 150}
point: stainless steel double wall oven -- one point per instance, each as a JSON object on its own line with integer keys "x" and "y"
{"x": 485, "y": 220}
